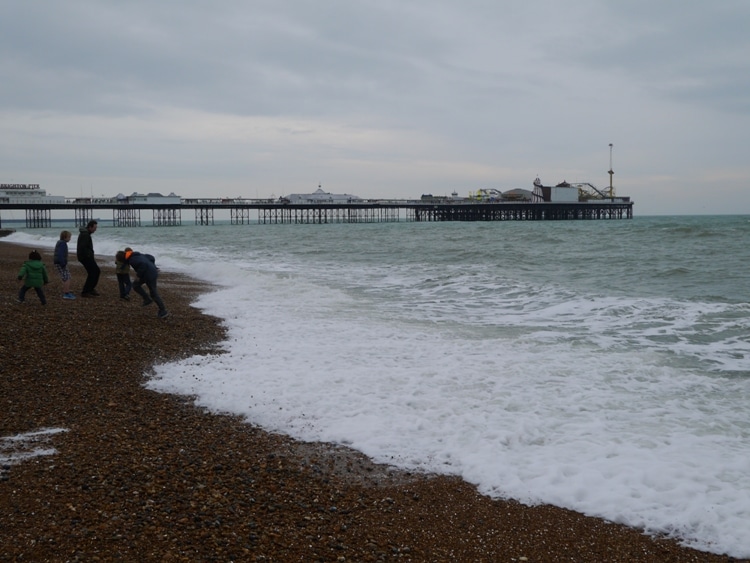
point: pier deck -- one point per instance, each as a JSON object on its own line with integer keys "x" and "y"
{"x": 270, "y": 212}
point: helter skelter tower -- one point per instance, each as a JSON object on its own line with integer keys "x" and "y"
{"x": 611, "y": 173}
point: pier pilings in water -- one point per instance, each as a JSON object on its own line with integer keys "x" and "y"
{"x": 167, "y": 217}
{"x": 37, "y": 218}
{"x": 329, "y": 214}
{"x": 126, "y": 217}
{"x": 243, "y": 212}
{"x": 524, "y": 212}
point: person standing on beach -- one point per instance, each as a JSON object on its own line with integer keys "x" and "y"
{"x": 61, "y": 264}
{"x": 85, "y": 255}
{"x": 122, "y": 269}
{"x": 146, "y": 272}
{"x": 34, "y": 274}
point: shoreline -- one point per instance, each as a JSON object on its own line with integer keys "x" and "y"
{"x": 140, "y": 475}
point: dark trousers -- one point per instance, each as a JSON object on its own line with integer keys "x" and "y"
{"x": 39, "y": 292}
{"x": 151, "y": 285}
{"x": 124, "y": 283}
{"x": 93, "y": 271}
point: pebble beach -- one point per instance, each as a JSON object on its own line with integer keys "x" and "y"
{"x": 123, "y": 473}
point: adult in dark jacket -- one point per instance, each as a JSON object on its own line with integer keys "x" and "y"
{"x": 146, "y": 272}
{"x": 85, "y": 255}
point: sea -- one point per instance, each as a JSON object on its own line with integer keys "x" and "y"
{"x": 601, "y": 366}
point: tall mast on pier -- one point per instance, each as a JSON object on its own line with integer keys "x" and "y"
{"x": 611, "y": 173}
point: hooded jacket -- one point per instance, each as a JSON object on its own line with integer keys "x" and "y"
{"x": 61, "y": 253}
{"x": 84, "y": 245}
{"x": 35, "y": 273}
{"x": 143, "y": 264}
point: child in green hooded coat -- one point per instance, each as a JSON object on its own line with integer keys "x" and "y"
{"x": 34, "y": 274}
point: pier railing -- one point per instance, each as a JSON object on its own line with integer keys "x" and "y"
{"x": 267, "y": 211}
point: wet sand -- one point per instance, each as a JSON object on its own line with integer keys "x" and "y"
{"x": 141, "y": 476}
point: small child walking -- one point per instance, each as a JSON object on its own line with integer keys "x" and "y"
{"x": 34, "y": 274}
{"x": 122, "y": 269}
{"x": 61, "y": 264}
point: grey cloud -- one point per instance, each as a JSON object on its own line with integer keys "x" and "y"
{"x": 501, "y": 88}
{"x": 687, "y": 51}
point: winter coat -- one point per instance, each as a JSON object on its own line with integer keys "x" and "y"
{"x": 122, "y": 268}
{"x": 84, "y": 246}
{"x": 61, "y": 253}
{"x": 35, "y": 273}
{"x": 144, "y": 266}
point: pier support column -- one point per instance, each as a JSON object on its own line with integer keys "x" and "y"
{"x": 38, "y": 218}
{"x": 83, "y": 215}
{"x": 126, "y": 217}
{"x": 204, "y": 216}
{"x": 239, "y": 216}
{"x": 167, "y": 217}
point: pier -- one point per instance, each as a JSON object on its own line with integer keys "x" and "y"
{"x": 264, "y": 211}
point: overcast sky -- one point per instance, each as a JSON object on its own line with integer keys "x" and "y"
{"x": 379, "y": 98}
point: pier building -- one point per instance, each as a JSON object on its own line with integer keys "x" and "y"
{"x": 563, "y": 203}
{"x": 27, "y": 194}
